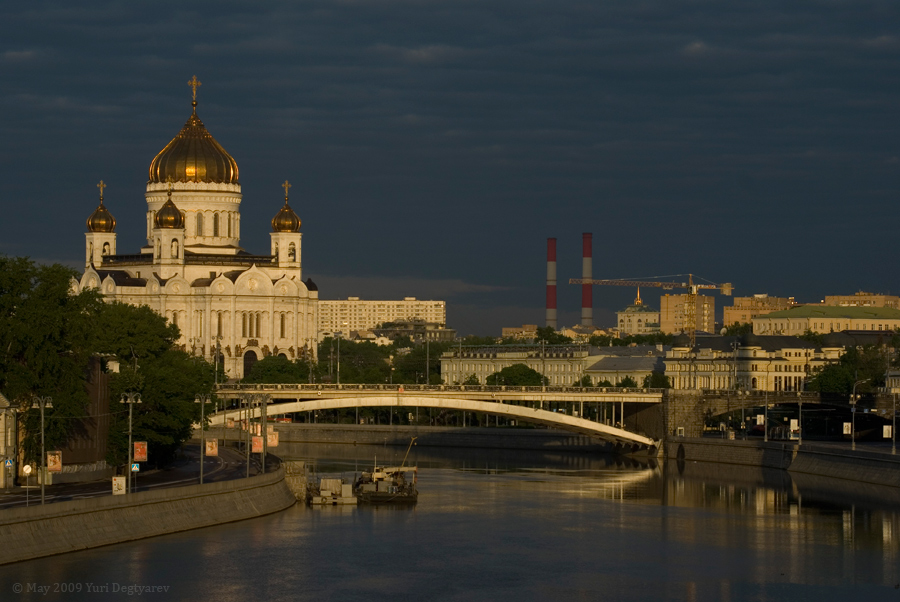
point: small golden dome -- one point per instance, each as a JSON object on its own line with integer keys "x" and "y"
{"x": 101, "y": 220}
{"x": 286, "y": 220}
{"x": 194, "y": 156}
{"x": 169, "y": 216}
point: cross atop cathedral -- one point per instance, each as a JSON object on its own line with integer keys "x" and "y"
{"x": 286, "y": 185}
{"x": 169, "y": 181}
{"x": 101, "y": 186}
{"x": 194, "y": 83}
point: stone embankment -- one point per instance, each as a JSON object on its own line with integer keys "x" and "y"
{"x": 862, "y": 466}
{"x": 89, "y": 523}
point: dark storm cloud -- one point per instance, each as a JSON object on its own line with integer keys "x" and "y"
{"x": 752, "y": 142}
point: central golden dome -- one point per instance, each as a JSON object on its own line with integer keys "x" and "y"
{"x": 194, "y": 156}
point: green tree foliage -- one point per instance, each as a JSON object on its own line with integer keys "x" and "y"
{"x": 551, "y": 337}
{"x": 517, "y": 375}
{"x": 657, "y": 380}
{"x": 584, "y": 382}
{"x": 739, "y": 329}
{"x": 657, "y": 338}
{"x": 167, "y": 379}
{"x": 628, "y": 383}
{"x": 46, "y": 338}
{"x": 361, "y": 362}
{"x": 868, "y": 363}
{"x": 604, "y": 383}
{"x": 470, "y": 380}
{"x": 277, "y": 369}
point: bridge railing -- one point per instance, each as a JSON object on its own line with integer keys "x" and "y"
{"x": 238, "y": 387}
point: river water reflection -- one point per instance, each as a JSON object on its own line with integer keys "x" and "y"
{"x": 520, "y": 526}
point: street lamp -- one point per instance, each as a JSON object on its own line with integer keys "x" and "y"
{"x": 42, "y": 403}
{"x": 202, "y": 400}
{"x": 218, "y": 354}
{"x": 130, "y": 399}
{"x": 853, "y": 413}
{"x": 338, "y": 336}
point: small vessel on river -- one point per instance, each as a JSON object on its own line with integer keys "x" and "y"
{"x": 388, "y": 485}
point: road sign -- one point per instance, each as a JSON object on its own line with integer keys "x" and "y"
{"x": 135, "y": 467}
{"x": 9, "y": 463}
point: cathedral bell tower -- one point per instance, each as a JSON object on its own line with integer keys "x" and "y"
{"x": 286, "y": 236}
{"x": 100, "y": 239}
{"x": 168, "y": 237}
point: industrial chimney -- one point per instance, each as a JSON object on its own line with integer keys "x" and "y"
{"x": 551, "y": 282}
{"x": 587, "y": 295}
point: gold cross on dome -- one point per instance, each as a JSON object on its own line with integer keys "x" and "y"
{"x": 101, "y": 186}
{"x": 286, "y": 185}
{"x": 194, "y": 83}
{"x": 169, "y": 181}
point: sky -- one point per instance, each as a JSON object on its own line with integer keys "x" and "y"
{"x": 434, "y": 146}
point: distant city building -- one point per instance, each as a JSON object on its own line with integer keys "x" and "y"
{"x": 755, "y": 363}
{"x": 525, "y": 332}
{"x": 822, "y": 319}
{"x": 563, "y": 365}
{"x": 744, "y": 309}
{"x": 614, "y": 369}
{"x": 862, "y": 299}
{"x": 353, "y": 313}
{"x": 417, "y": 330}
{"x": 582, "y": 334}
{"x": 671, "y": 314}
{"x": 637, "y": 318}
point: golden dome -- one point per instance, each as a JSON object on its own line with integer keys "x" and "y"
{"x": 286, "y": 220}
{"x": 194, "y": 156}
{"x": 169, "y": 216}
{"x": 101, "y": 220}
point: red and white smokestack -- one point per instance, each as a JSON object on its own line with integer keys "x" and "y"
{"x": 551, "y": 282}
{"x": 587, "y": 292}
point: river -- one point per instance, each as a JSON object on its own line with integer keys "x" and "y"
{"x": 517, "y": 526}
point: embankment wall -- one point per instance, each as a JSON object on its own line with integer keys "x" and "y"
{"x": 62, "y": 527}
{"x": 862, "y": 466}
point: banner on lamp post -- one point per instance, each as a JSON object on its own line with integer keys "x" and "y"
{"x": 257, "y": 444}
{"x": 54, "y": 461}
{"x": 230, "y": 423}
{"x": 212, "y": 447}
{"x": 140, "y": 451}
{"x": 273, "y": 439}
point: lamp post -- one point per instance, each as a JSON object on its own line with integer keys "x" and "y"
{"x": 130, "y": 399}
{"x": 338, "y": 335}
{"x": 853, "y": 413}
{"x": 42, "y": 403}
{"x": 217, "y": 354}
{"x": 202, "y": 400}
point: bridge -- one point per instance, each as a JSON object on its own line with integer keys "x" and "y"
{"x": 557, "y": 407}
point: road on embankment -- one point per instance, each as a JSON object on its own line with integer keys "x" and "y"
{"x": 230, "y": 464}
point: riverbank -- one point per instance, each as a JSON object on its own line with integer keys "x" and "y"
{"x": 861, "y": 465}
{"x": 39, "y": 531}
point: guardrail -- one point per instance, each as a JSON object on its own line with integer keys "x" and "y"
{"x": 433, "y": 388}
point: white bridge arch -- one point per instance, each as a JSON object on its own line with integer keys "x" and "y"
{"x": 527, "y": 406}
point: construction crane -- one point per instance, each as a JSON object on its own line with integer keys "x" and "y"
{"x": 690, "y": 301}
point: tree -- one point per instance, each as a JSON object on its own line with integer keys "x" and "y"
{"x": 868, "y": 363}
{"x": 627, "y": 383}
{"x": 517, "y": 375}
{"x": 551, "y": 337}
{"x": 278, "y": 369}
{"x": 471, "y": 380}
{"x": 584, "y": 382}
{"x": 657, "y": 380}
{"x": 604, "y": 383}
{"x": 46, "y": 337}
{"x": 167, "y": 379}
{"x": 739, "y": 329}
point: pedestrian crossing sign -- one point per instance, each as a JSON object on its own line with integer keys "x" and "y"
{"x": 135, "y": 467}
{"x": 8, "y": 463}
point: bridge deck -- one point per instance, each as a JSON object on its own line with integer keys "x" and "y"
{"x": 520, "y": 403}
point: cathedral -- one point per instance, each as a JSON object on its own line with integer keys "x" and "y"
{"x": 225, "y": 301}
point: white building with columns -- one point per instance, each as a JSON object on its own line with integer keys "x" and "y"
{"x": 192, "y": 269}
